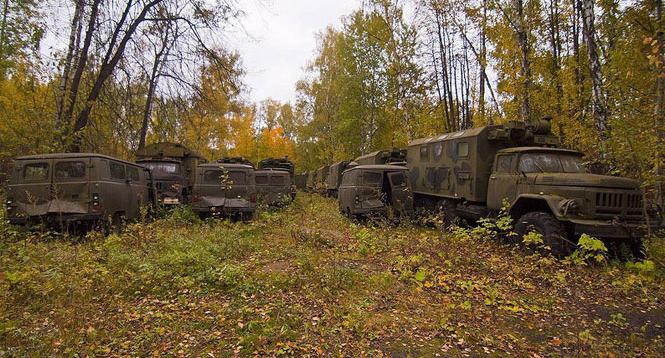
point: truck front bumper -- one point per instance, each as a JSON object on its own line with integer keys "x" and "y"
{"x": 609, "y": 229}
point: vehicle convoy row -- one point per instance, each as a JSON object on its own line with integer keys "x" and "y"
{"x": 89, "y": 190}
{"x": 475, "y": 173}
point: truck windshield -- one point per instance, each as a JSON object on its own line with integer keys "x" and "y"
{"x": 372, "y": 178}
{"x": 162, "y": 167}
{"x": 551, "y": 163}
{"x": 223, "y": 177}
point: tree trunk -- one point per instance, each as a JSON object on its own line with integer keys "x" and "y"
{"x": 555, "y": 43}
{"x": 81, "y": 63}
{"x": 525, "y": 63}
{"x": 660, "y": 106}
{"x": 3, "y": 31}
{"x": 483, "y": 59}
{"x": 105, "y": 72}
{"x": 74, "y": 36}
{"x": 599, "y": 105}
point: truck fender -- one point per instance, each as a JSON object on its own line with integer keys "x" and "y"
{"x": 534, "y": 202}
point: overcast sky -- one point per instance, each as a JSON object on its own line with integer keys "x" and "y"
{"x": 278, "y": 40}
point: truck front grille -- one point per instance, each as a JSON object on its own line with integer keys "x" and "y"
{"x": 618, "y": 204}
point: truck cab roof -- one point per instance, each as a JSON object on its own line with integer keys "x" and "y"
{"x": 382, "y": 167}
{"x": 226, "y": 166}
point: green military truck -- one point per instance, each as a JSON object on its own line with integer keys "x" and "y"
{"x": 471, "y": 173}
{"x": 274, "y": 187}
{"x": 321, "y": 179}
{"x": 76, "y": 189}
{"x": 334, "y": 177}
{"x": 368, "y": 190}
{"x": 173, "y": 167}
{"x": 285, "y": 165}
{"x": 224, "y": 189}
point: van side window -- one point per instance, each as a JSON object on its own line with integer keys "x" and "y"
{"x": 133, "y": 173}
{"x": 504, "y": 164}
{"x": 69, "y": 170}
{"x": 35, "y": 171}
{"x": 462, "y": 149}
{"x": 117, "y": 170}
{"x": 424, "y": 153}
{"x": 346, "y": 178}
{"x": 261, "y": 179}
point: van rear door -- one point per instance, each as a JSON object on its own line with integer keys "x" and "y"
{"x": 71, "y": 186}
{"x": 30, "y": 187}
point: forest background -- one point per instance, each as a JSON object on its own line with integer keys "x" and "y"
{"x": 140, "y": 71}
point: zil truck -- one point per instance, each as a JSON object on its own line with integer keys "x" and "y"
{"x": 471, "y": 174}
{"x": 173, "y": 167}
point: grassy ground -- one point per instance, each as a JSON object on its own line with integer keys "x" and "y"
{"x": 306, "y": 281}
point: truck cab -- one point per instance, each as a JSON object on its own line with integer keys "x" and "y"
{"x": 224, "y": 189}
{"x": 549, "y": 190}
{"x": 274, "y": 187}
{"x": 171, "y": 184}
{"x": 368, "y": 190}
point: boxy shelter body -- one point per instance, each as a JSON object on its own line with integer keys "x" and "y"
{"x": 335, "y": 177}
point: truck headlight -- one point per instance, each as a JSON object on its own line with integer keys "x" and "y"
{"x": 570, "y": 206}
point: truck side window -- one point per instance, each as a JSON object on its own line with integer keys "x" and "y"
{"x": 133, "y": 173}
{"x": 35, "y": 171}
{"x": 462, "y": 149}
{"x": 504, "y": 164}
{"x": 117, "y": 170}
{"x": 424, "y": 153}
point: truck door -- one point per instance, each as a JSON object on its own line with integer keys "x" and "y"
{"x": 401, "y": 197}
{"x": 503, "y": 181}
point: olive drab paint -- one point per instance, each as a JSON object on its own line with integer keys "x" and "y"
{"x": 274, "y": 187}
{"x": 472, "y": 173}
{"x": 173, "y": 167}
{"x": 368, "y": 190}
{"x": 76, "y": 188}
{"x": 224, "y": 189}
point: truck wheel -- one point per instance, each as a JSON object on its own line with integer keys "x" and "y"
{"x": 447, "y": 211}
{"x": 553, "y": 233}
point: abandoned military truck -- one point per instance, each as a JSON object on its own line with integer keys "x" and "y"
{"x": 321, "y": 179}
{"x": 274, "y": 187}
{"x": 83, "y": 189}
{"x": 283, "y": 165}
{"x": 334, "y": 178}
{"x": 368, "y": 190}
{"x": 173, "y": 168}
{"x": 392, "y": 156}
{"x": 471, "y": 173}
{"x": 224, "y": 190}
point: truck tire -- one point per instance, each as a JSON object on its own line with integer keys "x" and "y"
{"x": 553, "y": 233}
{"x": 447, "y": 211}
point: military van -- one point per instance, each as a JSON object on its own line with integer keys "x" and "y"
{"x": 274, "y": 187}
{"x": 224, "y": 190}
{"x": 471, "y": 173}
{"x": 368, "y": 190}
{"x": 76, "y": 188}
{"x": 173, "y": 168}
{"x": 321, "y": 178}
{"x": 335, "y": 177}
